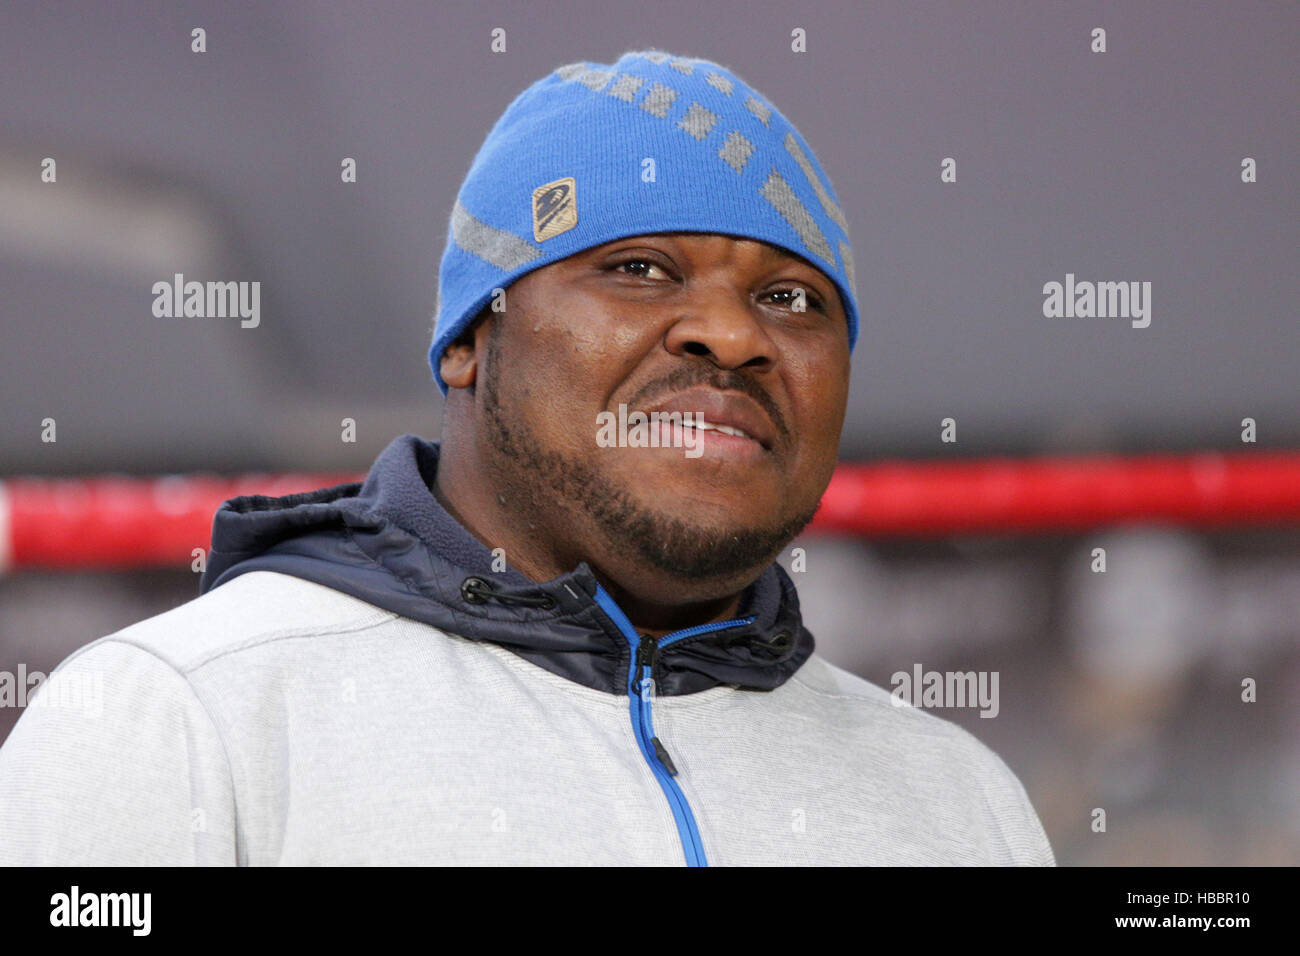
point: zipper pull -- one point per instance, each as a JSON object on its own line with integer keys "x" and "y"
{"x": 645, "y": 651}
{"x": 662, "y": 753}
{"x": 645, "y": 660}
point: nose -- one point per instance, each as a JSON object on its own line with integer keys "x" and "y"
{"x": 719, "y": 323}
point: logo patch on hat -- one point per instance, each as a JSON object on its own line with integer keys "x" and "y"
{"x": 555, "y": 208}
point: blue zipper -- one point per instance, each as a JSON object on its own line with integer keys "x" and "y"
{"x": 639, "y": 690}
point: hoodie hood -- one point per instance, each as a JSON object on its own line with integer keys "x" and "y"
{"x": 388, "y": 541}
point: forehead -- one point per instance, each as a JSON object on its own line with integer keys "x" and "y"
{"x": 766, "y": 250}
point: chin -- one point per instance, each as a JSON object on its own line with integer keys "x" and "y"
{"x": 712, "y": 506}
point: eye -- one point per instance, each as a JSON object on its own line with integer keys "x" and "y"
{"x": 638, "y": 261}
{"x": 811, "y": 298}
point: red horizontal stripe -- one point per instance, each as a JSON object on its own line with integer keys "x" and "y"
{"x": 119, "y": 522}
{"x": 1061, "y": 494}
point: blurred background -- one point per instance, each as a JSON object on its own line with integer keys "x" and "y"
{"x": 1119, "y": 690}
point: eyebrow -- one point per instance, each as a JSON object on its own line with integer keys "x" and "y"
{"x": 769, "y": 252}
{"x": 785, "y": 255}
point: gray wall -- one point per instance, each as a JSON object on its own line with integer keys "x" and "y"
{"x": 1114, "y": 166}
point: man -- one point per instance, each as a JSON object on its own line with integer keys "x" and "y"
{"x": 524, "y": 644}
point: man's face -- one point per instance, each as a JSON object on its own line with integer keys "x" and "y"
{"x": 669, "y": 322}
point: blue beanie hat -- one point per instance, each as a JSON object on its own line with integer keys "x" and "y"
{"x": 568, "y": 167}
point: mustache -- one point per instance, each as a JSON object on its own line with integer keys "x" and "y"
{"x": 688, "y": 376}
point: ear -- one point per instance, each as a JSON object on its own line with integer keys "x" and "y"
{"x": 459, "y": 363}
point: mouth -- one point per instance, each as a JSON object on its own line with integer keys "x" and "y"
{"x": 701, "y": 425}
{"x": 722, "y": 419}
{"x": 701, "y": 439}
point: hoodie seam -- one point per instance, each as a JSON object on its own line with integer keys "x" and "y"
{"x": 821, "y": 693}
{"x": 314, "y": 631}
{"x": 1005, "y": 846}
{"x": 616, "y": 703}
{"x": 241, "y": 839}
{"x": 941, "y": 726}
{"x": 996, "y": 766}
{"x": 680, "y": 702}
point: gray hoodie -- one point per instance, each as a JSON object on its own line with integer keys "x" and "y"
{"x": 358, "y": 684}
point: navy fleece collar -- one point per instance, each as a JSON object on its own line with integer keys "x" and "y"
{"x": 389, "y": 542}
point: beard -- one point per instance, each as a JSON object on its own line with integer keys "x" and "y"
{"x": 537, "y": 476}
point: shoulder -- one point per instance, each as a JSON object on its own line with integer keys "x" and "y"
{"x": 945, "y": 764}
{"x": 250, "y": 611}
{"x": 852, "y": 701}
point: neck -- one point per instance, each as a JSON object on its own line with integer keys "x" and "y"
{"x": 658, "y": 619}
{"x": 541, "y": 552}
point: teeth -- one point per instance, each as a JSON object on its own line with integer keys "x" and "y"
{"x": 725, "y": 429}
{"x": 728, "y": 430}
